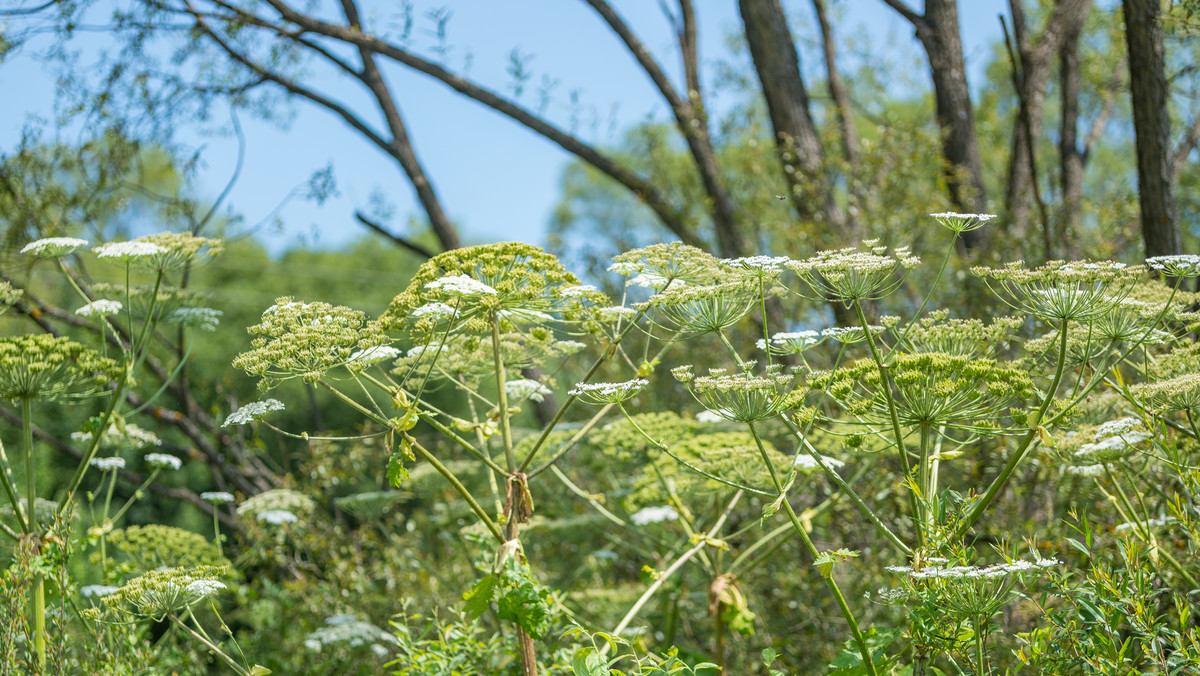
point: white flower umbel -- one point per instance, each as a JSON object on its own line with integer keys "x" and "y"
{"x": 649, "y": 515}
{"x": 1118, "y": 427}
{"x": 202, "y": 588}
{"x": 111, "y": 463}
{"x": 850, "y": 275}
{"x": 960, "y": 223}
{"x": 577, "y": 291}
{"x": 97, "y": 590}
{"x": 615, "y": 313}
{"x": 163, "y": 461}
{"x": 127, "y": 251}
{"x": 790, "y": 342}
{"x": 756, "y": 262}
{"x": 277, "y": 517}
{"x": 1183, "y": 265}
{"x": 100, "y": 308}
{"x": 609, "y": 393}
{"x": 804, "y": 462}
{"x": 709, "y": 417}
{"x": 1061, "y": 291}
{"x": 374, "y": 355}
{"x": 53, "y": 247}
{"x": 849, "y": 334}
{"x": 217, "y": 497}
{"x": 203, "y": 318}
{"x": 740, "y": 397}
{"x": 519, "y": 390}
{"x": 126, "y": 437}
{"x": 461, "y": 285}
{"x": 696, "y": 310}
{"x": 252, "y": 411}
{"x": 436, "y": 309}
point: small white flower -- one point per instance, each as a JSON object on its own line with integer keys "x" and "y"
{"x": 128, "y": 250}
{"x": 100, "y": 308}
{"x": 1117, "y": 427}
{"x": 615, "y": 313}
{"x": 569, "y": 346}
{"x": 252, "y": 411}
{"x": 203, "y": 318}
{"x": 53, "y": 247}
{"x": 163, "y": 461}
{"x": 217, "y": 497}
{"x": 708, "y": 417}
{"x": 312, "y": 644}
{"x": 790, "y": 342}
{"x": 526, "y": 389}
{"x": 609, "y": 393}
{"x": 962, "y": 222}
{"x": 374, "y": 355}
{"x": 757, "y": 262}
{"x": 277, "y": 517}
{"x": 1086, "y": 470}
{"x": 806, "y": 461}
{"x": 648, "y": 515}
{"x": 1185, "y": 265}
{"x": 105, "y": 464}
{"x": 435, "y": 309}
{"x": 1144, "y": 525}
{"x": 649, "y": 280}
{"x": 201, "y": 588}
{"x": 461, "y": 285}
{"x": 421, "y": 350}
{"x": 98, "y": 590}
{"x": 577, "y": 290}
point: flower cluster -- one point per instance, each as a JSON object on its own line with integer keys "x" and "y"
{"x": 790, "y": 342}
{"x": 1181, "y": 393}
{"x": 217, "y": 497}
{"x": 1183, "y": 265}
{"x": 163, "y": 461}
{"x": 609, "y": 393}
{"x": 252, "y": 411}
{"x": 155, "y": 546}
{"x": 1060, "y": 291}
{"x": 161, "y": 251}
{"x": 476, "y": 283}
{"x": 851, "y": 275}
{"x": 278, "y": 499}
{"x": 696, "y": 310}
{"x": 960, "y": 337}
{"x": 349, "y": 630}
{"x": 649, "y": 515}
{"x": 100, "y": 308}
{"x": 669, "y": 265}
{"x": 522, "y": 389}
{"x": 740, "y": 397}
{"x": 44, "y": 366}
{"x": 110, "y": 463}
{"x": 203, "y": 318}
{"x": 960, "y": 223}
{"x": 119, "y": 437}
{"x": 306, "y": 340}
{"x": 158, "y": 593}
{"x": 54, "y": 247}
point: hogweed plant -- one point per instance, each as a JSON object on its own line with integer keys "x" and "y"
{"x": 915, "y": 396}
{"x": 42, "y": 369}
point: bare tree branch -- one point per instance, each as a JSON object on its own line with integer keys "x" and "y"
{"x": 407, "y": 244}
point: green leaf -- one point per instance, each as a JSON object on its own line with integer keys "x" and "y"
{"x": 527, "y": 606}
{"x": 849, "y": 660}
{"x": 588, "y": 662}
{"x": 396, "y": 471}
{"x": 478, "y": 596}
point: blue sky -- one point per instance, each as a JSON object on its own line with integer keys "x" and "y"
{"x": 496, "y": 180}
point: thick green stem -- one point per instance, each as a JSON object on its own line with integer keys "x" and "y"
{"x": 459, "y": 488}
{"x": 859, "y": 639}
{"x": 34, "y": 533}
{"x": 978, "y": 507}
{"x": 502, "y": 398}
{"x": 886, "y": 384}
{"x": 980, "y": 665}
{"x": 10, "y": 489}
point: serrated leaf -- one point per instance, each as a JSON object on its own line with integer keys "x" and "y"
{"x": 479, "y": 596}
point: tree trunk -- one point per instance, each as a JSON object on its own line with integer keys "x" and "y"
{"x": 1152, "y": 127}
{"x": 796, "y": 138}
{"x": 1070, "y": 157}
{"x": 845, "y": 118}
{"x": 1036, "y": 61}
{"x": 938, "y": 32}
